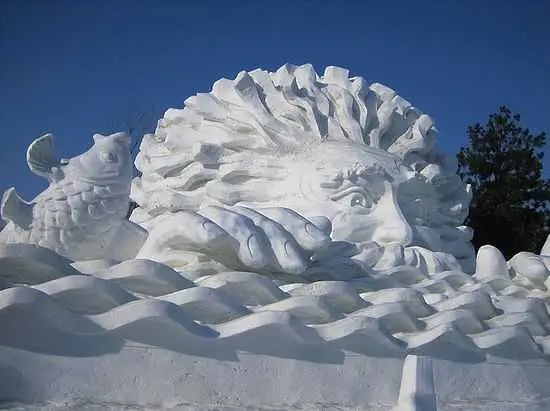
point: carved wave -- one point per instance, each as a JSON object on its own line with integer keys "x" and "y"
{"x": 149, "y": 303}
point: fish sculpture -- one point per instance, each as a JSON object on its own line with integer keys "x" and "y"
{"x": 81, "y": 215}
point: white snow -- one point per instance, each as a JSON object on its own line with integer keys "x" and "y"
{"x": 300, "y": 274}
{"x": 102, "y": 342}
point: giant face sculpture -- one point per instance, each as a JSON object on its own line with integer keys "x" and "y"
{"x": 322, "y": 146}
{"x": 356, "y": 187}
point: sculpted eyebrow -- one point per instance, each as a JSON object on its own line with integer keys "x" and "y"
{"x": 353, "y": 173}
{"x": 348, "y": 190}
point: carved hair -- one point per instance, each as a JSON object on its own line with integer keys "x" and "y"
{"x": 229, "y": 144}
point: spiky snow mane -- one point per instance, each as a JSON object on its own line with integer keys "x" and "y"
{"x": 228, "y": 145}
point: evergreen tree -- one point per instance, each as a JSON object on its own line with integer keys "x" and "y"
{"x": 503, "y": 164}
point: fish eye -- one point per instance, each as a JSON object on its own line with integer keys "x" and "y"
{"x": 108, "y": 157}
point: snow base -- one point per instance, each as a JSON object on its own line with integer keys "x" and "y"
{"x": 141, "y": 377}
{"x": 154, "y": 378}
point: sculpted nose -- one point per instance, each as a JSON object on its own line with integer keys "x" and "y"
{"x": 394, "y": 227}
{"x": 394, "y": 232}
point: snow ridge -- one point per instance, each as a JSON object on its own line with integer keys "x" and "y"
{"x": 465, "y": 320}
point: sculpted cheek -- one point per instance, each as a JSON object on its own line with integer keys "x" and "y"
{"x": 426, "y": 237}
{"x": 353, "y": 227}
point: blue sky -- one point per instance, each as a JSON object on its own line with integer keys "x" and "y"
{"x": 74, "y": 68}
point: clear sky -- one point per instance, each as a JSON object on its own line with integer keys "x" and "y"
{"x": 78, "y": 67}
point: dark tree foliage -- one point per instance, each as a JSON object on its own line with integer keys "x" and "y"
{"x": 503, "y": 164}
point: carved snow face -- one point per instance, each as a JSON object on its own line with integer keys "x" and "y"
{"x": 357, "y": 188}
{"x": 380, "y": 177}
{"x": 370, "y": 196}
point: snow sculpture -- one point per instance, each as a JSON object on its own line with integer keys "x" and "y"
{"x": 295, "y": 173}
{"x": 82, "y": 212}
{"x": 334, "y": 189}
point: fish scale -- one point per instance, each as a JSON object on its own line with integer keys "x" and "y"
{"x": 85, "y": 205}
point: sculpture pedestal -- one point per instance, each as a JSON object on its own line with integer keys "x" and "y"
{"x": 144, "y": 377}
{"x": 148, "y": 377}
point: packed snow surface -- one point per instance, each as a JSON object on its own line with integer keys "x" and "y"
{"x": 129, "y": 299}
{"x": 90, "y": 311}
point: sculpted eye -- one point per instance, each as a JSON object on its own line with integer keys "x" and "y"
{"x": 108, "y": 157}
{"x": 359, "y": 200}
{"x": 354, "y": 197}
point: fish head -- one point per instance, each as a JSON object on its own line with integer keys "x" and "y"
{"x": 107, "y": 161}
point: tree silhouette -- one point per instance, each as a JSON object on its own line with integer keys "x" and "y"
{"x": 503, "y": 165}
{"x": 136, "y": 123}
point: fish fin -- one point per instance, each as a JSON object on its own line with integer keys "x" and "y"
{"x": 13, "y": 208}
{"x": 41, "y": 158}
